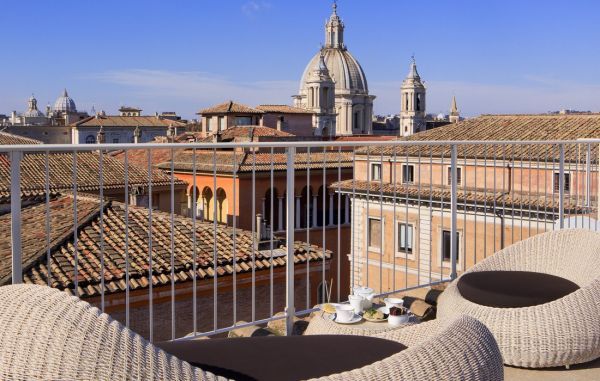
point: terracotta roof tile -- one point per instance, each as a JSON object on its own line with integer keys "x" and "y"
{"x": 506, "y": 128}
{"x": 229, "y": 107}
{"x": 283, "y": 109}
{"x": 62, "y": 256}
{"x": 60, "y": 170}
{"x": 248, "y": 133}
{"x": 108, "y": 121}
{"x": 6, "y": 139}
{"x": 538, "y": 203}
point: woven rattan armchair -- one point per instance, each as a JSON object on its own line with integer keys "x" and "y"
{"x": 45, "y": 334}
{"x": 562, "y": 332}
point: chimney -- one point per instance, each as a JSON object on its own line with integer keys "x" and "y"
{"x": 259, "y": 231}
{"x": 280, "y": 124}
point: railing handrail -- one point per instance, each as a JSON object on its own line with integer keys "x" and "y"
{"x": 286, "y": 144}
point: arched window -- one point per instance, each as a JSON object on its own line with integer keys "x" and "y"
{"x": 207, "y": 204}
{"x": 90, "y": 139}
{"x": 418, "y": 102}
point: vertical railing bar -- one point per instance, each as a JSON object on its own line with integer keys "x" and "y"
{"x": 546, "y": 185}
{"x": 503, "y": 191}
{"x": 588, "y": 176}
{"x": 485, "y": 207}
{"x": 215, "y": 253}
{"x": 150, "y": 264}
{"x": 529, "y": 191}
{"x": 308, "y": 224}
{"x": 172, "y": 244}
{"x": 194, "y": 257}
{"x": 382, "y": 227}
{"x": 537, "y": 194}
{"x": 324, "y": 221}
{"x": 495, "y": 193}
{"x": 339, "y": 222}
{"x": 366, "y": 241}
{"x": 453, "y": 207}
{"x": 126, "y": 202}
{"x": 431, "y": 212}
{"x": 102, "y": 268}
{"x": 15, "y": 217}
{"x": 394, "y": 202}
{"x": 408, "y": 184}
{"x": 271, "y": 236}
{"x": 574, "y": 180}
{"x": 47, "y": 192}
{"x": 561, "y": 186}
{"x": 442, "y": 206}
{"x": 475, "y": 207}
{"x": 290, "y": 309}
{"x": 417, "y": 227}
{"x": 521, "y": 157}
{"x": 512, "y": 192}
{"x": 353, "y": 223}
{"x": 463, "y": 179}
{"x": 234, "y": 222}
{"x": 75, "y": 223}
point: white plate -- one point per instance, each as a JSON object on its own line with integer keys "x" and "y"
{"x": 382, "y": 310}
{"x": 355, "y": 319}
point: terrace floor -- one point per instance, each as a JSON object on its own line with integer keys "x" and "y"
{"x": 582, "y": 372}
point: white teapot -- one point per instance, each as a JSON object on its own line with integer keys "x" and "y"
{"x": 367, "y": 295}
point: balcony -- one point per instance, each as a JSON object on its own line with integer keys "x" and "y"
{"x": 246, "y": 235}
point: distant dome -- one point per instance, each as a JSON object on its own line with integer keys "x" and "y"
{"x": 441, "y": 116}
{"x": 344, "y": 69}
{"x": 32, "y": 110}
{"x": 64, "y": 103}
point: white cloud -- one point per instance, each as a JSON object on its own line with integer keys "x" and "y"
{"x": 252, "y": 7}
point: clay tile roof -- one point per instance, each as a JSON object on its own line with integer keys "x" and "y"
{"x": 284, "y": 109}
{"x": 6, "y": 139}
{"x": 523, "y": 202}
{"x": 507, "y": 127}
{"x": 248, "y": 133}
{"x": 62, "y": 256}
{"x": 60, "y": 173}
{"x": 228, "y": 161}
{"x": 230, "y": 107}
{"x": 108, "y": 121}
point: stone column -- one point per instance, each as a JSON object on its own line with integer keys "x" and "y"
{"x": 347, "y": 209}
{"x": 280, "y": 214}
{"x": 314, "y": 215}
{"x": 331, "y": 222}
{"x": 298, "y": 212}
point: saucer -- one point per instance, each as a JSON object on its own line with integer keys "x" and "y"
{"x": 355, "y": 319}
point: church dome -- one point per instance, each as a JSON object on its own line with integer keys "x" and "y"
{"x": 344, "y": 69}
{"x": 64, "y": 103}
{"x": 32, "y": 110}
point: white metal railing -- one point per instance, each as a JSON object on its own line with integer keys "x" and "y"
{"x": 477, "y": 189}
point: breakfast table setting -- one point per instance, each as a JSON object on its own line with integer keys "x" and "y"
{"x": 364, "y": 314}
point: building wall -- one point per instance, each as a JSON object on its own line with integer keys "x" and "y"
{"x": 121, "y": 134}
{"x": 46, "y": 134}
{"x": 480, "y": 235}
{"x": 297, "y": 124}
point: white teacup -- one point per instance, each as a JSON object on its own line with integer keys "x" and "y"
{"x": 393, "y": 302}
{"x": 357, "y": 302}
{"x": 344, "y": 312}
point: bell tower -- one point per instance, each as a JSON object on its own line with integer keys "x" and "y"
{"x": 412, "y": 106}
{"x": 321, "y": 99}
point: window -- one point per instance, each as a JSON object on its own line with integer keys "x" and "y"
{"x": 115, "y": 140}
{"x": 556, "y": 182}
{"x": 374, "y": 233}
{"x": 405, "y": 238}
{"x": 208, "y": 126}
{"x": 220, "y": 126}
{"x": 90, "y": 139}
{"x": 458, "y": 175}
{"x": 408, "y": 173}
{"x": 446, "y": 254}
{"x": 243, "y": 120}
{"x": 418, "y": 102}
{"x": 375, "y": 171}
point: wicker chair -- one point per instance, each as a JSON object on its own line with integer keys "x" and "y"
{"x": 45, "y": 334}
{"x": 562, "y": 332}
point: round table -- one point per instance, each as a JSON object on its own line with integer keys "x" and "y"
{"x": 322, "y": 324}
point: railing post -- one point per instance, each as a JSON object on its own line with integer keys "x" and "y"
{"x": 588, "y": 176}
{"x": 453, "y": 211}
{"x": 290, "y": 310}
{"x": 561, "y": 186}
{"x": 15, "y": 216}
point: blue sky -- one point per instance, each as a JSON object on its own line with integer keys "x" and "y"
{"x": 181, "y": 55}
